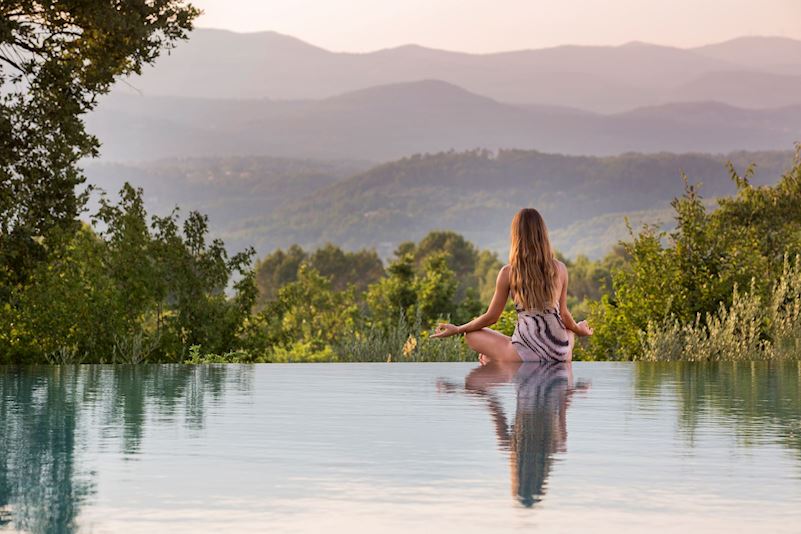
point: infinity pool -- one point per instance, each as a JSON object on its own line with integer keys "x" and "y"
{"x": 601, "y": 447}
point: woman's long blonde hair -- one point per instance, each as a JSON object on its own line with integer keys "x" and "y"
{"x": 533, "y": 275}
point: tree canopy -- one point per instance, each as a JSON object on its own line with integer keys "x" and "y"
{"x": 56, "y": 58}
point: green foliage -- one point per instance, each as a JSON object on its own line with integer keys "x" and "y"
{"x": 347, "y": 269}
{"x": 344, "y": 269}
{"x": 750, "y": 328}
{"x": 198, "y": 357}
{"x": 474, "y": 272}
{"x": 277, "y": 270}
{"x": 486, "y": 272}
{"x": 428, "y": 293}
{"x": 590, "y": 280}
{"x": 195, "y": 275}
{"x": 56, "y": 58}
{"x": 307, "y": 316}
{"x": 68, "y": 294}
{"x": 414, "y": 278}
{"x": 436, "y": 288}
{"x": 311, "y": 320}
{"x": 396, "y": 292}
{"x": 677, "y": 295}
{"x": 304, "y": 321}
{"x": 507, "y": 322}
{"x": 303, "y": 351}
{"x": 461, "y": 256}
{"x": 404, "y": 340}
{"x": 67, "y": 309}
{"x": 129, "y": 293}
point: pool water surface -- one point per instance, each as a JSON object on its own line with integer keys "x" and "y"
{"x": 601, "y": 447}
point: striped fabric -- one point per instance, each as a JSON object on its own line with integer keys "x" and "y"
{"x": 541, "y": 336}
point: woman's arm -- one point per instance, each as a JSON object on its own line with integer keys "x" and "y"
{"x": 580, "y": 328}
{"x": 489, "y": 317}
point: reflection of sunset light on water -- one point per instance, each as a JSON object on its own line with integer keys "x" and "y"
{"x": 699, "y": 513}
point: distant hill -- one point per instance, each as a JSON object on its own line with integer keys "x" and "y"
{"x": 228, "y": 190}
{"x": 775, "y": 54}
{"x": 273, "y": 203}
{"x": 392, "y": 121}
{"x": 476, "y": 193}
{"x": 745, "y": 89}
{"x": 221, "y": 64}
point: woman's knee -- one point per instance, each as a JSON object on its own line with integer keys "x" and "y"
{"x": 492, "y": 344}
{"x": 479, "y": 340}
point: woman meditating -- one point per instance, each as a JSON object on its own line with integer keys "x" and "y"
{"x": 537, "y": 283}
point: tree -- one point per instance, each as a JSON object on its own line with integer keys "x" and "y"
{"x": 129, "y": 256}
{"x": 195, "y": 274}
{"x": 132, "y": 291}
{"x": 394, "y": 293}
{"x": 487, "y": 267}
{"x": 276, "y": 270}
{"x": 68, "y": 309}
{"x": 56, "y": 58}
{"x": 358, "y": 269}
{"x": 304, "y": 321}
{"x": 462, "y": 254}
{"x": 344, "y": 269}
{"x": 436, "y": 289}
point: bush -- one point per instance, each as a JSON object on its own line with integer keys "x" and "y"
{"x": 748, "y": 329}
{"x": 677, "y": 296}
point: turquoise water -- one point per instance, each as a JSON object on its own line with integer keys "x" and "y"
{"x": 601, "y": 447}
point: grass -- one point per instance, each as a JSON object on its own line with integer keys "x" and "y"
{"x": 752, "y": 328}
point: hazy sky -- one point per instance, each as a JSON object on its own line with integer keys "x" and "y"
{"x": 493, "y": 25}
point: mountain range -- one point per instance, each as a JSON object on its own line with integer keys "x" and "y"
{"x": 231, "y": 94}
{"x": 283, "y": 142}
{"x": 766, "y": 72}
{"x": 391, "y": 121}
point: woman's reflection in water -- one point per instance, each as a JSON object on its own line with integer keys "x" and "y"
{"x": 540, "y": 426}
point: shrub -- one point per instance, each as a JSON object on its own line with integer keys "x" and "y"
{"x": 749, "y": 328}
{"x": 677, "y": 296}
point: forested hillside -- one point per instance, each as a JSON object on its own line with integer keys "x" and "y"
{"x": 229, "y": 190}
{"x": 276, "y": 202}
{"x": 476, "y": 193}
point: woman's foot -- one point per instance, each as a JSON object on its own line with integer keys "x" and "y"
{"x": 482, "y": 359}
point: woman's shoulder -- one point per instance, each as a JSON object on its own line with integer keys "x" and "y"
{"x": 504, "y": 271}
{"x": 561, "y": 268}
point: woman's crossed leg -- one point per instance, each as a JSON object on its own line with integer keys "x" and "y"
{"x": 493, "y": 345}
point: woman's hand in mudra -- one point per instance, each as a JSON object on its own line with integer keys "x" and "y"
{"x": 583, "y": 329}
{"x": 445, "y": 330}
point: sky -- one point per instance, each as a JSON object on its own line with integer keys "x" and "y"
{"x": 482, "y": 26}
